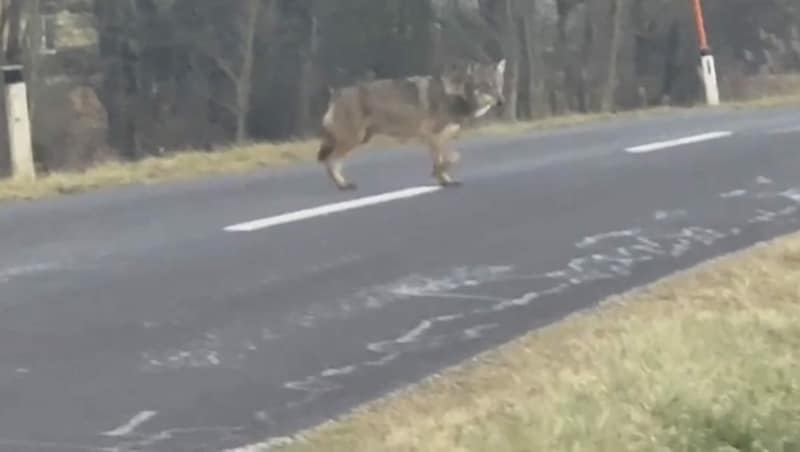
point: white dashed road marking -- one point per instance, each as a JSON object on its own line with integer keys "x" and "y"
{"x": 330, "y": 208}
{"x": 785, "y": 130}
{"x": 650, "y": 147}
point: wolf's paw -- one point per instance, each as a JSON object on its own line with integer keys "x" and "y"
{"x": 448, "y": 182}
{"x": 349, "y": 186}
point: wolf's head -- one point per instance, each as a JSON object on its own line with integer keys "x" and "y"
{"x": 480, "y": 85}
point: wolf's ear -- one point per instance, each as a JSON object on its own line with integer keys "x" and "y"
{"x": 501, "y": 66}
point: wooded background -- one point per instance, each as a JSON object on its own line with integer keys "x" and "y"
{"x": 124, "y": 79}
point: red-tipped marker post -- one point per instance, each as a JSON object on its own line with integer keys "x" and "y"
{"x": 708, "y": 72}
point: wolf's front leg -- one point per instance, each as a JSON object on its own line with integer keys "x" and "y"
{"x": 443, "y": 158}
{"x": 334, "y": 168}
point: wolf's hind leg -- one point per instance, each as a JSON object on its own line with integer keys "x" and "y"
{"x": 332, "y": 154}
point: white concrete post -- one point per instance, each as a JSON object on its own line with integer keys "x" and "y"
{"x": 19, "y": 124}
{"x": 709, "y": 75}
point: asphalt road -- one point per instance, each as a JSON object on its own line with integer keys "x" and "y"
{"x": 132, "y": 320}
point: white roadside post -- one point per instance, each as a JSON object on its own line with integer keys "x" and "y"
{"x": 708, "y": 71}
{"x": 710, "y": 79}
{"x": 19, "y": 123}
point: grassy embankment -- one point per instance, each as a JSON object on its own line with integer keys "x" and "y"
{"x": 706, "y": 360}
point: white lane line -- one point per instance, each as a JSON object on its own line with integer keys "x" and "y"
{"x": 785, "y": 130}
{"x": 131, "y": 426}
{"x": 650, "y": 147}
{"x": 6, "y": 274}
{"x": 330, "y": 208}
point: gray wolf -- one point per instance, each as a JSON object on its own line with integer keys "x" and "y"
{"x": 429, "y": 109}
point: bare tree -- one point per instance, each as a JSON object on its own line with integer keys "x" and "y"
{"x": 308, "y": 71}
{"x": 618, "y": 8}
{"x": 229, "y": 46}
{"x": 243, "y": 79}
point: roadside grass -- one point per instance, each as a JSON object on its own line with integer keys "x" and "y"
{"x": 174, "y": 166}
{"x": 185, "y": 164}
{"x": 705, "y": 360}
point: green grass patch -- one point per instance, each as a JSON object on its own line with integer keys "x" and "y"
{"x": 706, "y": 360}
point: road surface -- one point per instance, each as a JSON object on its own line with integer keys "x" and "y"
{"x": 211, "y": 314}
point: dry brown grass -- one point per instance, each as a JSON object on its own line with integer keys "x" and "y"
{"x": 761, "y": 89}
{"x": 564, "y": 121}
{"x": 706, "y": 360}
{"x": 178, "y": 165}
{"x": 190, "y": 164}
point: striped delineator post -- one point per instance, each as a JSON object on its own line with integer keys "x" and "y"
{"x": 708, "y": 71}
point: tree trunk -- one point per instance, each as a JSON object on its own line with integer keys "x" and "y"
{"x": 529, "y": 59}
{"x": 245, "y": 85}
{"x": 608, "y": 103}
{"x": 512, "y": 62}
{"x": 307, "y": 74}
{"x": 12, "y": 36}
{"x": 671, "y": 63}
{"x": 561, "y": 93}
{"x": 32, "y": 58}
{"x": 583, "y": 87}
